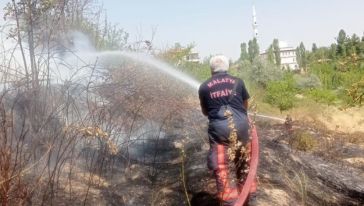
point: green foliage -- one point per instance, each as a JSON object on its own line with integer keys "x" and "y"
{"x": 301, "y": 56}
{"x": 356, "y": 92}
{"x": 332, "y": 74}
{"x": 327, "y": 74}
{"x": 177, "y": 55}
{"x": 314, "y": 47}
{"x": 114, "y": 38}
{"x": 271, "y": 56}
{"x": 200, "y": 71}
{"x": 341, "y": 41}
{"x": 349, "y": 46}
{"x": 243, "y": 52}
{"x": 253, "y": 49}
{"x": 353, "y": 45}
{"x": 321, "y": 54}
{"x": 337, "y": 74}
{"x": 332, "y": 53}
{"x": 307, "y": 81}
{"x": 303, "y": 140}
{"x": 277, "y": 52}
{"x": 281, "y": 93}
{"x": 262, "y": 72}
{"x": 323, "y": 96}
{"x": 361, "y": 48}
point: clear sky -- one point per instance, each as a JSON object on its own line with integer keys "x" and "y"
{"x": 217, "y": 26}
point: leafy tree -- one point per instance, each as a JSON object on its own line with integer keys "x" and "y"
{"x": 321, "y": 54}
{"x": 201, "y": 71}
{"x": 361, "y": 49}
{"x": 333, "y": 50}
{"x": 307, "y": 81}
{"x": 353, "y": 45}
{"x": 281, "y": 93}
{"x": 243, "y": 52}
{"x": 177, "y": 54}
{"x": 277, "y": 52}
{"x": 301, "y": 56}
{"x": 271, "y": 56}
{"x": 114, "y": 38}
{"x": 262, "y": 72}
{"x": 341, "y": 43}
{"x": 253, "y": 49}
{"x": 314, "y": 47}
{"x": 327, "y": 74}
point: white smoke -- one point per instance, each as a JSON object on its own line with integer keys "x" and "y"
{"x": 86, "y": 59}
{"x": 74, "y": 59}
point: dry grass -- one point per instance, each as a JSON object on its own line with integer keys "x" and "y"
{"x": 303, "y": 140}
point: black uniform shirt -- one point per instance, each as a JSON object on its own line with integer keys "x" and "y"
{"x": 216, "y": 91}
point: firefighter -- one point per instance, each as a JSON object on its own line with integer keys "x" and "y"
{"x": 224, "y": 100}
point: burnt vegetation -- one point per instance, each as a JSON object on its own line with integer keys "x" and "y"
{"x": 124, "y": 134}
{"x": 65, "y": 142}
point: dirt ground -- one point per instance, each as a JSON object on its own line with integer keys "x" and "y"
{"x": 331, "y": 175}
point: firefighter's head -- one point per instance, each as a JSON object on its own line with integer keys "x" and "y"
{"x": 219, "y": 63}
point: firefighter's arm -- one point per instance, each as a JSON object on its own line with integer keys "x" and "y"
{"x": 203, "y": 108}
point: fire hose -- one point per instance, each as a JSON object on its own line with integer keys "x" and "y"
{"x": 253, "y": 168}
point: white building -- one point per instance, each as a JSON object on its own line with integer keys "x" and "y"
{"x": 288, "y": 56}
{"x": 193, "y": 57}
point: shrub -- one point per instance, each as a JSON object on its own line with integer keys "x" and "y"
{"x": 323, "y": 96}
{"x": 263, "y": 72}
{"x": 281, "y": 94}
{"x": 303, "y": 140}
{"x": 307, "y": 81}
{"x": 356, "y": 92}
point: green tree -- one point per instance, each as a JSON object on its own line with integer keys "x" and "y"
{"x": 277, "y": 52}
{"x": 361, "y": 49}
{"x": 301, "y": 56}
{"x": 341, "y": 43}
{"x": 353, "y": 45}
{"x": 253, "y": 49}
{"x": 307, "y": 81}
{"x": 177, "y": 54}
{"x": 244, "y": 52}
{"x": 262, "y": 72}
{"x": 314, "y": 47}
{"x": 333, "y": 50}
{"x": 281, "y": 93}
{"x": 271, "y": 56}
